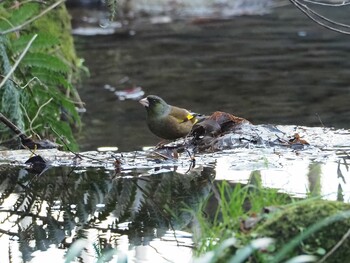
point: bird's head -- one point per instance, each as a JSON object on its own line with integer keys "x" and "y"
{"x": 155, "y": 105}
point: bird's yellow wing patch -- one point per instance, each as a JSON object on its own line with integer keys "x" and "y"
{"x": 182, "y": 115}
{"x": 192, "y": 118}
{"x": 189, "y": 117}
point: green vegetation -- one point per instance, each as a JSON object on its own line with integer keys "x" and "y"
{"x": 253, "y": 224}
{"x": 236, "y": 204}
{"x": 40, "y": 64}
{"x": 311, "y": 227}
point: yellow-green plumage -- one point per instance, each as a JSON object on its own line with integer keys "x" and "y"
{"x": 166, "y": 121}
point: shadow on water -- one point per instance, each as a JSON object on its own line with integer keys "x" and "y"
{"x": 146, "y": 213}
{"x": 65, "y": 204}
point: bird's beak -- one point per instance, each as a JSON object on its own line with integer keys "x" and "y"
{"x": 144, "y": 102}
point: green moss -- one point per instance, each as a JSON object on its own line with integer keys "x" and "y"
{"x": 49, "y": 68}
{"x": 291, "y": 221}
{"x": 57, "y": 23}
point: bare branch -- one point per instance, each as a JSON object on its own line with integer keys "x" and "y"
{"x": 320, "y": 19}
{"x": 31, "y": 80}
{"x": 326, "y": 19}
{"x": 37, "y": 114}
{"x": 343, "y": 3}
{"x": 12, "y": 126}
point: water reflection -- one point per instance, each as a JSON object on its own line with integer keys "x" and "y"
{"x": 299, "y": 178}
{"x": 141, "y": 209}
{"x": 44, "y": 215}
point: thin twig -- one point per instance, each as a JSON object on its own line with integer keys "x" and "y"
{"x": 14, "y": 82}
{"x": 32, "y": 19}
{"x": 319, "y": 118}
{"x": 8, "y": 75}
{"x": 77, "y": 155}
{"x": 31, "y": 129}
{"x": 310, "y": 14}
{"x": 37, "y": 114}
{"x": 31, "y": 80}
{"x": 7, "y": 21}
{"x": 341, "y": 241}
{"x": 325, "y": 18}
{"x": 28, "y": 1}
{"x": 155, "y": 249}
{"x": 344, "y": 3}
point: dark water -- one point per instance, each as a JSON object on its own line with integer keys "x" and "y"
{"x": 278, "y": 68}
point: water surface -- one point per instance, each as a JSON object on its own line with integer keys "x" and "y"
{"x": 276, "y": 68}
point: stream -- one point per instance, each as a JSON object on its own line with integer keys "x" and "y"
{"x": 273, "y": 66}
{"x": 277, "y": 68}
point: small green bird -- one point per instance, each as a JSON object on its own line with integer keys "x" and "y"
{"x": 166, "y": 121}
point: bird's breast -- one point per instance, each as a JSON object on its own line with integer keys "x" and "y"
{"x": 169, "y": 127}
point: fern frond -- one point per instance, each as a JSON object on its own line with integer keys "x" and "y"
{"x": 68, "y": 220}
{"x": 10, "y": 96}
{"x": 11, "y": 17}
{"x": 20, "y": 15}
{"x": 46, "y": 61}
{"x": 43, "y": 64}
{"x": 40, "y": 238}
{"x": 42, "y": 42}
{"x": 47, "y": 77}
{"x": 125, "y": 198}
{"x": 70, "y": 112}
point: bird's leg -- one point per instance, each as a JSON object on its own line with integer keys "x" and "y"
{"x": 161, "y": 144}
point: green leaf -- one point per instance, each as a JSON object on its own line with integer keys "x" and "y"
{"x": 321, "y": 251}
{"x": 22, "y": 14}
{"x": 71, "y": 112}
{"x": 12, "y": 17}
{"x": 243, "y": 253}
{"x": 48, "y": 77}
{"x": 42, "y": 69}
{"x": 43, "y": 41}
{"x": 46, "y": 61}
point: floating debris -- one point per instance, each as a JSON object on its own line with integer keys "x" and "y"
{"x": 93, "y": 31}
{"x": 133, "y": 93}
